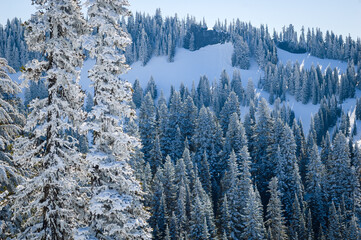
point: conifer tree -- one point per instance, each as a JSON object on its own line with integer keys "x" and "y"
{"x": 236, "y": 86}
{"x": 315, "y": 179}
{"x": 263, "y": 137}
{"x": 147, "y": 124}
{"x": 151, "y": 88}
{"x": 11, "y": 122}
{"x": 155, "y": 156}
{"x": 204, "y": 174}
{"x": 326, "y": 149}
{"x": 188, "y": 117}
{"x": 181, "y": 207}
{"x": 222, "y": 92}
{"x": 240, "y": 56}
{"x": 297, "y": 220}
{"x": 115, "y": 206}
{"x": 137, "y": 93}
{"x": 158, "y": 220}
{"x": 334, "y": 230}
{"x": 189, "y": 165}
{"x": 144, "y": 54}
{"x": 249, "y": 126}
{"x": 235, "y": 198}
{"x": 49, "y": 201}
{"x": 202, "y": 218}
{"x": 339, "y": 172}
{"x": 207, "y": 132}
{"x": 250, "y": 92}
{"x": 289, "y": 178}
{"x": 253, "y": 217}
{"x": 231, "y": 106}
{"x": 168, "y": 179}
{"x": 10, "y": 127}
{"x": 275, "y": 222}
{"x": 225, "y": 218}
{"x": 235, "y": 138}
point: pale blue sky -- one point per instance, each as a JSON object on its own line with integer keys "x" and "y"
{"x": 343, "y": 17}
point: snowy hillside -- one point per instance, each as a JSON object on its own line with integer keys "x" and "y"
{"x": 188, "y": 66}
{"x": 210, "y": 61}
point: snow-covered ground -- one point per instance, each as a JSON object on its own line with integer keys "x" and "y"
{"x": 188, "y": 67}
{"x": 211, "y": 61}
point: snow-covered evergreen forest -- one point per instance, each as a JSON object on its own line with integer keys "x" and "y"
{"x": 215, "y": 160}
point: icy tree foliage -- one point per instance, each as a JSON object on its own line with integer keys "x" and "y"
{"x": 10, "y": 126}
{"x": 11, "y": 122}
{"x": 115, "y": 207}
{"x": 48, "y": 201}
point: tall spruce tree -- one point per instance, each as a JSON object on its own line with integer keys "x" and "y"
{"x": 116, "y": 210}
{"x": 231, "y": 106}
{"x": 339, "y": 172}
{"x": 253, "y": 217}
{"x": 315, "y": 179}
{"x": 49, "y": 201}
{"x": 275, "y": 222}
{"x": 11, "y": 121}
{"x": 10, "y": 127}
{"x": 289, "y": 177}
{"x": 263, "y": 137}
{"x": 147, "y": 125}
{"x": 234, "y": 205}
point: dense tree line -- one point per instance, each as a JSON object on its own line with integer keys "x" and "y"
{"x": 13, "y": 46}
{"x": 319, "y": 44}
{"x": 213, "y": 174}
{"x": 308, "y": 85}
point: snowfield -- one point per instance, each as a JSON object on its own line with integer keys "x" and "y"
{"x": 188, "y": 67}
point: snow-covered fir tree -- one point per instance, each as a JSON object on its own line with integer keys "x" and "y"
{"x": 241, "y": 54}
{"x": 115, "y": 207}
{"x": 275, "y": 222}
{"x": 11, "y": 122}
{"x": 339, "y": 174}
{"x": 253, "y": 217}
{"x": 233, "y": 206}
{"x": 49, "y": 201}
{"x": 315, "y": 187}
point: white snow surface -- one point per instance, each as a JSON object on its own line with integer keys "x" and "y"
{"x": 188, "y": 67}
